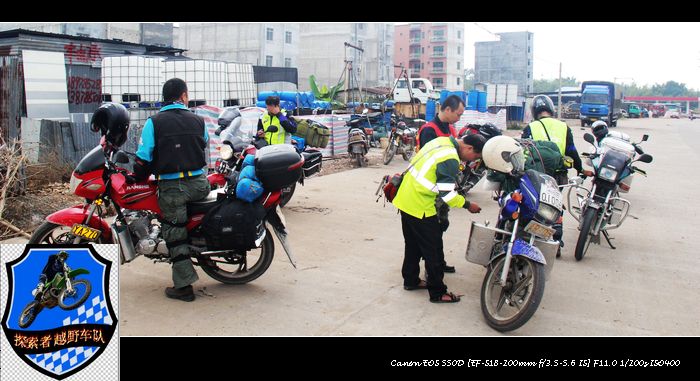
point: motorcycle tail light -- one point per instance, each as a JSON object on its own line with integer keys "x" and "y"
{"x": 515, "y": 215}
{"x": 369, "y": 131}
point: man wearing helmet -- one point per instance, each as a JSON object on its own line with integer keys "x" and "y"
{"x": 431, "y": 176}
{"x": 173, "y": 146}
{"x": 600, "y": 130}
{"x": 547, "y": 128}
{"x": 54, "y": 265}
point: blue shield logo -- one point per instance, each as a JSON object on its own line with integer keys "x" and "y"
{"x": 59, "y": 317}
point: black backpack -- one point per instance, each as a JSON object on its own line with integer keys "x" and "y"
{"x": 233, "y": 224}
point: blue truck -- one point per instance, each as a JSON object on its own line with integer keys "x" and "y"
{"x": 600, "y": 101}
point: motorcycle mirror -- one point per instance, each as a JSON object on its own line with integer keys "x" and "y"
{"x": 121, "y": 157}
{"x": 645, "y": 137}
{"x": 638, "y": 149}
{"x": 589, "y": 138}
{"x": 645, "y": 158}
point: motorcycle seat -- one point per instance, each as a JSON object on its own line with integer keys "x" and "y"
{"x": 205, "y": 204}
{"x": 372, "y": 115}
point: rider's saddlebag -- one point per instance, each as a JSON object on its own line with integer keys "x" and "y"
{"x": 234, "y": 224}
{"x": 312, "y": 162}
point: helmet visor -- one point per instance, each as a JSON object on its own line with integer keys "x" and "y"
{"x": 518, "y": 160}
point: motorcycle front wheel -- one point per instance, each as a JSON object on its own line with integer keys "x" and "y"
{"x": 70, "y": 300}
{"x": 54, "y": 234}
{"x": 232, "y": 270}
{"x": 26, "y": 318}
{"x": 508, "y": 307}
{"x": 389, "y": 152}
{"x": 584, "y": 236}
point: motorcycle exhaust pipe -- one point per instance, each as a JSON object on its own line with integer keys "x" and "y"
{"x": 121, "y": 235}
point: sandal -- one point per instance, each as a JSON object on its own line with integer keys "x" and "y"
{"x": 422, "y": 285}
{"x": 441, "y": 299}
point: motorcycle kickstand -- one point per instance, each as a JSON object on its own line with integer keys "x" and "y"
{"x": 607, "y": 238}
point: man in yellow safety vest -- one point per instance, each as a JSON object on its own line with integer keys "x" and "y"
{"x": 430, "y": 176}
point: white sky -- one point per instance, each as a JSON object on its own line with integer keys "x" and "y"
{"x": 644, "y": 53}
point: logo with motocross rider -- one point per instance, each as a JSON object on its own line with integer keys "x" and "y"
{"x": 58, "y": 315}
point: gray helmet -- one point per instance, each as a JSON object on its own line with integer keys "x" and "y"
{"x": 541, "y": 103}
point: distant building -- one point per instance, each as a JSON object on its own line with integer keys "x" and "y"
{"x": 158, "y": 34}
{"x": 432, "y": 50}
{"x": 506, "y": 61}
{"x": 322, "y": 53}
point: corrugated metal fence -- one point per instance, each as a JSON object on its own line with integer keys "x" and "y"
{"x": 11, "y": 97}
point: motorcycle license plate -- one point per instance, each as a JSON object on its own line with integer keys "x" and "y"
{"x": 551, "y": 196}
{"x": 539, "y": 230}
{"x": 85, "y": 232}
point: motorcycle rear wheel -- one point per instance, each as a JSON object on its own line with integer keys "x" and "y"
{"x": 243, "y": 274}
{"x": 287, "y": 195}
{"x": 522, "y": 293}
{"x": 408, "y": 151}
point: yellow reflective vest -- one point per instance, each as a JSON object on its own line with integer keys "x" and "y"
{"x": 556, "y": 129}
{"x": 273, "y": 137}
{"x": 419, "y": 188}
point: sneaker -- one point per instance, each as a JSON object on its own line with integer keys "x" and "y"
{"x": 185, "y": 293}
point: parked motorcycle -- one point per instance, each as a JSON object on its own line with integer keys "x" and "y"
{"x": 359, "y": 139}
{"x": 137, "y": 230}
{"x": 402, "y": 139}
{"x": 63, "y": 290}
{"x": 471, "y": 173}
{"x": 601, "y": 208}
{"x": 519, "y": 252}
{"x": 237, "y": 144}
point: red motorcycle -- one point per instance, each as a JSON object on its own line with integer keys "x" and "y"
{"x": 136, "y": 229}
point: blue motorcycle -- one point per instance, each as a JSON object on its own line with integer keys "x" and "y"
{"x": 519, "y": 252}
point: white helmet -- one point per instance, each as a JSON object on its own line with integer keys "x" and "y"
{"x": 503, "y": 154}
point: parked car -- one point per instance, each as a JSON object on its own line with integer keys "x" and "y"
{"x": 672, "y": 113}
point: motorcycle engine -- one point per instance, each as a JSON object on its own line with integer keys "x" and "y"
{"x": 145, "y": 234}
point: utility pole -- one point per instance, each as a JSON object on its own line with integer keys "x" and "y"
{"x": 559, "y": 100}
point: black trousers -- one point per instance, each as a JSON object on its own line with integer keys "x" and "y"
{"x": 423, "y": 239}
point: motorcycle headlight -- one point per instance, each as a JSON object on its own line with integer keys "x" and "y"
{"x": 607, "y": 174}
{"x": 226, "y": 152}
{"x": 548, "y": 213}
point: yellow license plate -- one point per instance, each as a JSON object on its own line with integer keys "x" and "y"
{"x": 539, "y": 230}
{"x": 85, "y": 232}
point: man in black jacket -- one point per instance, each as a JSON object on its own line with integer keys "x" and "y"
{"x": 173, "y": 147}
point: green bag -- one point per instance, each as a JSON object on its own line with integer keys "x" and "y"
{"x": 318, "y": 135}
